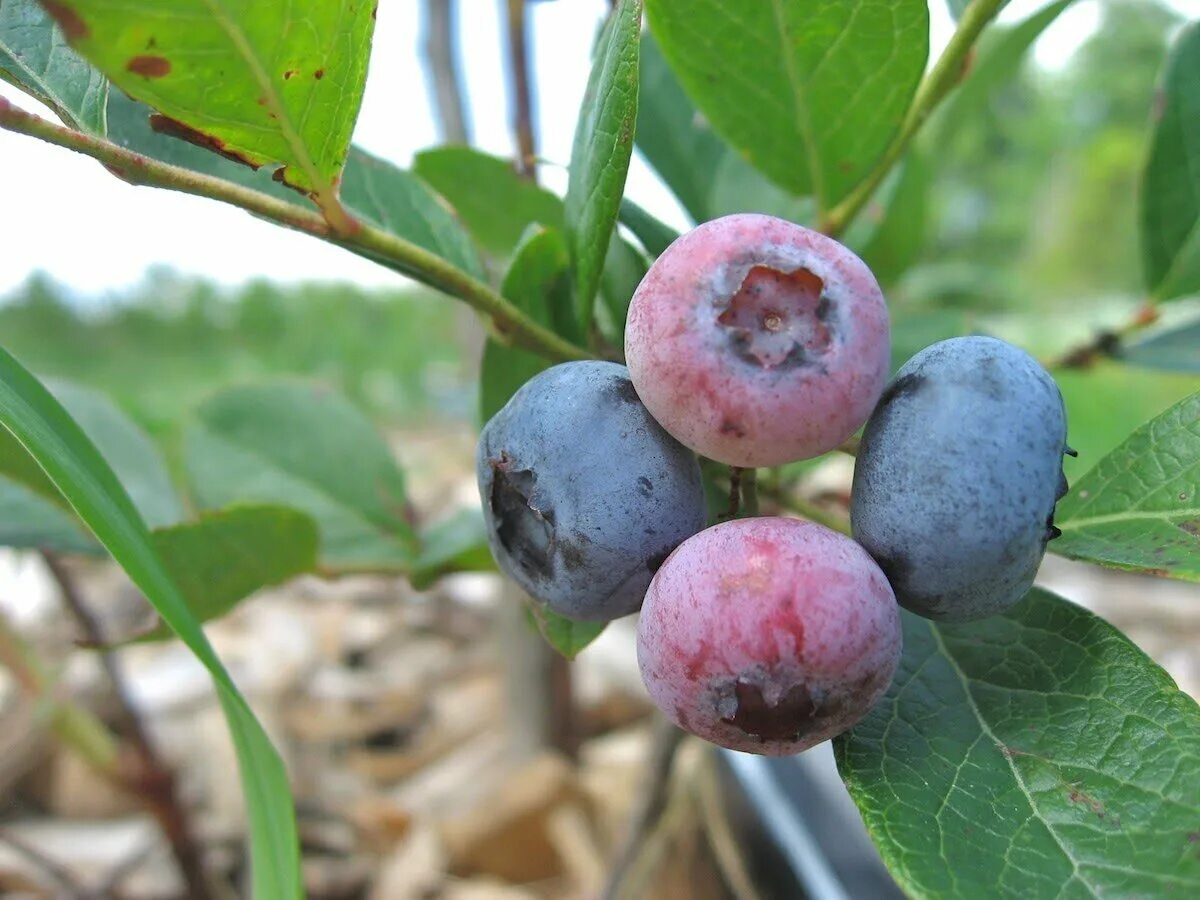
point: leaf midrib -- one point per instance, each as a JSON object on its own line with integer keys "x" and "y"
{"x": 242, "y": 44}
{"x": 986, "y": 729}
{"x": 800, "y": 107}
{"x": 1132, "y": 516}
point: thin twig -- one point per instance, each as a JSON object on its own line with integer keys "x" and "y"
{"x": 153, "y": 781}
{"x": 521, "y": 90}
{"x": 938, "y": 83}
{"x": 726, "y": 850}
{"x": 564, "y": 731}
{"x": 442, "y": 71}
{"x": 647, "y": 813}
{"x": 1106, "y": 343}
{"x": 75, "y": 726}
{"x": 63, "y": 877}
{"x": 559, "y": 694}
{"x": 537, "y": 682}
{"x": 679, "y": 813}
{"x": 126, "y": 867}
{"x": 509, "y": 323}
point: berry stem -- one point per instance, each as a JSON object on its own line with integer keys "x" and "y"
{"x": 946, "y": 73}
{"x": 735, "y": 492}
{"x": 510, "y": 324}
{"x": 750, "y": 492}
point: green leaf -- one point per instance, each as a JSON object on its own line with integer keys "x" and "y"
{"x": 899, "y": 238}
{"x": 601, "y": 152}
{"x": 267, "y": 83}
{"x": 74, "y": 465}
{"x": 17, "y": 466}
{"x": 305, "y": 447}
{"x": 124, "y": 446}
{"x": 1035, "y": 754}
{"x": 35, "y": 58}
{"x": 654, "y": 236}
{"x": 129, "y": 450}
{"x": 705, "y": 174}
{"x": 1175, "y": 348}
{"x": 810, "y": 93}
{"x": 28, "y": 521}
{"x": 537, "y": 283}
{"x": 915, "y": 329}
{"x": 624, "y": 269}
{"x": 1139, "y": 508}
{"x": 399, "y": 202}
{"x": 566, "y": 636}
{"x": 129, "y": 127}
{"x": 1171, "y": 181}
{"x": 673, "y": 137}
{"x": 226, "y": 555}
{"x": 1107, "y": 401}
{"x": 491, "y": 199}
{"x": 458, "y": 544}
{"x": 737, "y": 187}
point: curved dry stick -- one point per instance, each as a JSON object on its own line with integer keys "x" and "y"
{"x": 521, "y": 90}
{"x": 442, "y": 70}
{"x": 647, "y": 813}
{"x": 151, "y": 780}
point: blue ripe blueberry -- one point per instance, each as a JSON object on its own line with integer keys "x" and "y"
{"x": 584, "y": 494}
{"x": 958, "y": 473}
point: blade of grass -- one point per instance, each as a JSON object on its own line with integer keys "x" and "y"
{"x": 87, "y": 482}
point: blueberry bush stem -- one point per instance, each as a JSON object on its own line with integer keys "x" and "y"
{"x": 151, "y": 778}
{"x": 947, "y": 72}
{"x": 507, "y": 321}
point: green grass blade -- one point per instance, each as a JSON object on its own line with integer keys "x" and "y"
{"x": 78, "y": 470}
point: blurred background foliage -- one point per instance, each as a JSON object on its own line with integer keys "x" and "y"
{"x": 1034, "y": 200}
{"x": 161, "y": 347}
{"x": 1029, "y": 232}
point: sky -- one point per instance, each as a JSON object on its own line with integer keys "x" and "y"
{"x": 65, "y": 216}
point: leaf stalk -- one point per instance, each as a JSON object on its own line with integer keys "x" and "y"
{"x": 946, "y": 73}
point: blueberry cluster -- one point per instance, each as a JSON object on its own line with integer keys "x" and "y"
{"x": 755, "y": 342}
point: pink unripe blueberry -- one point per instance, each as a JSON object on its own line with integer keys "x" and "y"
{"x": 756, "y": 341}
{"x": 768, "y": 635}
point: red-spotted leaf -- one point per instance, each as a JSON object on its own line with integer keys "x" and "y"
{"x": 268, "y": 84}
